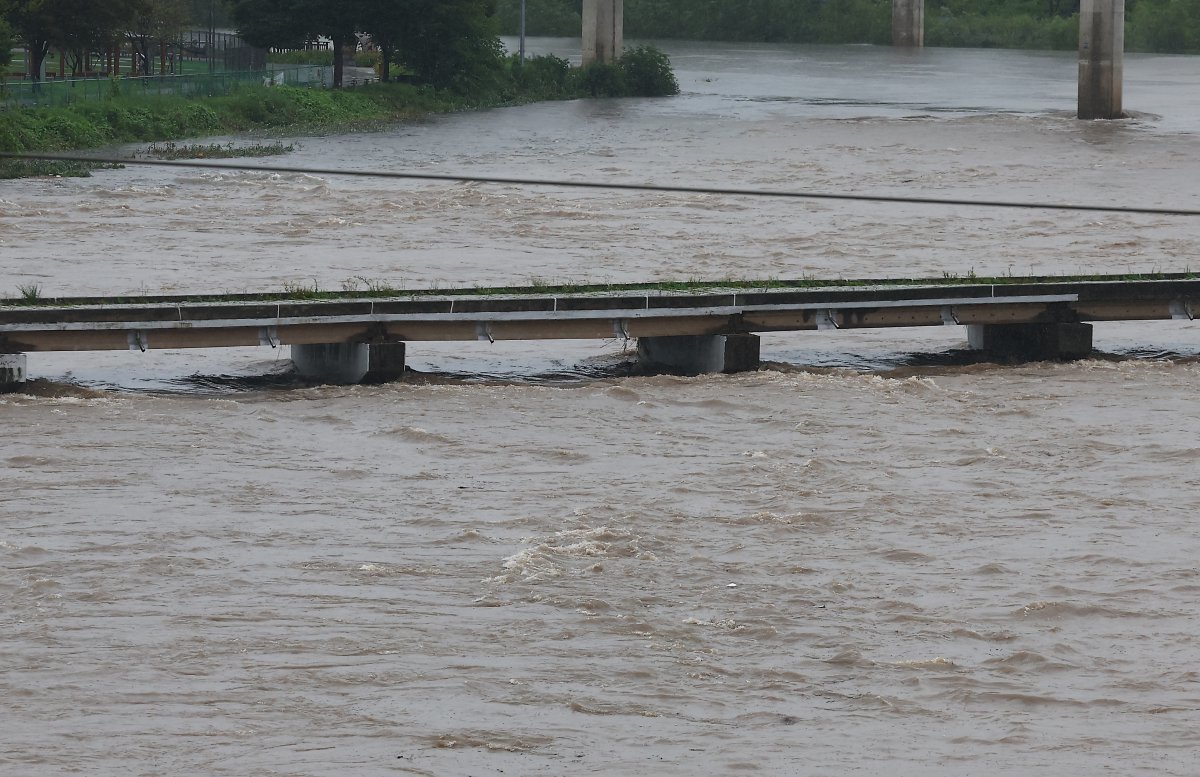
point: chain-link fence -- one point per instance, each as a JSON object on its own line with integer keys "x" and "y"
{"x": 27, "y": 94}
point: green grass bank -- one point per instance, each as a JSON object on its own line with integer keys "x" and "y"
{"x": 120, "y": 119}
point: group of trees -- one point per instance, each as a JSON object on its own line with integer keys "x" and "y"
{"x": 1151, "y": 25}
{"x": 447, "y": 43}
{"x": 79, "y": 27}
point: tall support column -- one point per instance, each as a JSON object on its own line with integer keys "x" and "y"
{"x": 12, "y": 371}
{"x": 1101, "y": 58}
{"x": 908, "y": 23}
{"x": 603, "y": 30}
{"x": 700, "y": 354}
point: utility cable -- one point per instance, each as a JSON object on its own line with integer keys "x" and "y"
{"x": 608, "y": 185}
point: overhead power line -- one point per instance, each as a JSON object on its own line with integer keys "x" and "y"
{"x": 606, "y": 185}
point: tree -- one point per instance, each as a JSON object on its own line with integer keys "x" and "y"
{"x": 6, "y": 41}
{"x": 152, "y": 21}
{"x": 85, "y": 25}
{"x": 452, "y": 43}
{"x": 289, "y": 24}
{"x": 384, "y": 21}
{"x": 36, "y": 22}
{"x": 556, "y": 18}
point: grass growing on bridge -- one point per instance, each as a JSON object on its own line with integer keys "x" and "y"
{"x": 379, "y": 290}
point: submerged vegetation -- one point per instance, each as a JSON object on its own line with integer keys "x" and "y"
{"x": 170, "y": 150}
{"x": 29, "y": 168}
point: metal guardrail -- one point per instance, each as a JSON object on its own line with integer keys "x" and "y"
{"x": 93, "y": 325}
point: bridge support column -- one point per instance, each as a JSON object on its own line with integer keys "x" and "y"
{"x": 700, "y": 354}
{"x": 603, "y": 31}
{"x": 1032, "y": 342}
{"x": 1101, "y": 58}
{"x": 908, "y": 23}
{"x": 349, "y": 362}
{"x": 12, "y": 371}
{"x": 385, "y": 362}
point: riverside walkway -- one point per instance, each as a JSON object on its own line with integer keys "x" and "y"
{"x": 694, "y": 328}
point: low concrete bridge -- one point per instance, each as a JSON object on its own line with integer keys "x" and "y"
{"x": 349, "y": 338}
{"x": 1101, "y": 45}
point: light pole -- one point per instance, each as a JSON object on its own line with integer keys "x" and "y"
{"x": 522, "y": 31}
{"x": 212, "y": 34}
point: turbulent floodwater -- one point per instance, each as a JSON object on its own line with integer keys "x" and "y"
{"x": 865, "y": 556}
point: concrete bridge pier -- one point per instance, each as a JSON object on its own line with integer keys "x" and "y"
{"x": 345, "y": 363}
{"x": 1032, "y": 342}
{"x": 700, "y": 354}
{"x": 12, "y": 371}
{"x": 603, "y": 31}
{"x": 908, "y": 23}
{"x": 1101, "y": 58}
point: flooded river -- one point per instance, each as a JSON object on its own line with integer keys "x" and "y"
{"x": 866, "y": 556}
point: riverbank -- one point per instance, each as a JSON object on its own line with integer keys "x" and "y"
{"x": 119, "y": 119}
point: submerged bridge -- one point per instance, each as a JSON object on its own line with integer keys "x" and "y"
{"x": 348, "y": 337}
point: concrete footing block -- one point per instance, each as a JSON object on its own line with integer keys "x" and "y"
{"x": 345, "y": 363}
{"x": 12, "y": 371}
{"x": 332, "y": 362}
{"x": 385, "y": 362}
{"x": 1032, "y": 342}
{"x": 700, "y": 354}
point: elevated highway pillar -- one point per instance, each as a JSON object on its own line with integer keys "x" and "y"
{"x": 603, "y": 31}
{"x": 1101, "y": 58}
{"x": 908, "y": 23}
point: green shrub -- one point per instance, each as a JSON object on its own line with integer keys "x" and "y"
{"x": 599, "y": 79}
{"x": 646, "y": 72}
{"x": 367, "y": 59}
{"x": 543, "y": 77}
{"x": 304, "y": 57}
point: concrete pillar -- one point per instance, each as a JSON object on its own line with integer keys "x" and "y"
{"x": 700, "y": 354}
{"x": 385, "y": 362}
{"x": 1032, "y": 342}
{"x": 1101, "y": 58}
{"x": 349, "y": 362}
{"x": 603, "y": 31}
{"x": 12, "y": 371}
{"x": 908, "y": 23}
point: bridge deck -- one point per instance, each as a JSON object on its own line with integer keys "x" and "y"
{"x": 241, "y": 320}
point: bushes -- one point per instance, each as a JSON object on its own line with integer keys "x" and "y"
{"x": 1021, "y": 31}
{"x": 322, "y": 57}
{"x": 545, "y": 78}
{"x": 641, "y": 72}
{"x": 1164, "y": 25}
{"x": 647, "y": 73}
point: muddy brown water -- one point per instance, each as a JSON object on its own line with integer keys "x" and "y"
{"x": 868, "y": 555}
